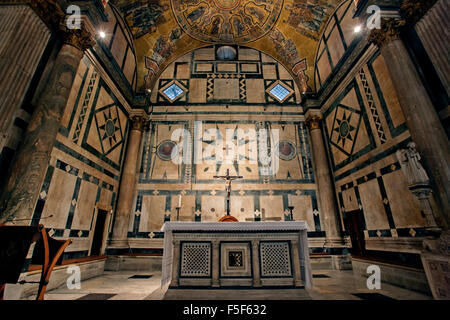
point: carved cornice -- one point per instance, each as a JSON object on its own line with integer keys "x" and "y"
{"x": 413, "y": 10}
{"x": 390, "y": 30}
{"x": 54, "y": 18}
{"x": 48, "y": 10}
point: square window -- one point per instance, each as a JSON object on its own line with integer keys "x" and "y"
{"x": 173, "y": 91}
{"x": 235, "y": 259}
{"x": 280, "y": 92}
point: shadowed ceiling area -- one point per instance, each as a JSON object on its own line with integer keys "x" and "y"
{"x": 287, "y": 30}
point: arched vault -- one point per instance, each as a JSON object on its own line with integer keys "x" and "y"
{"x": 287, "y": 30}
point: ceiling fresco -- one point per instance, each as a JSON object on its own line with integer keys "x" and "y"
{"x": 287, "y": 30}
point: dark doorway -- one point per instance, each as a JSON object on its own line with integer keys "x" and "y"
{"x": 354, "y": 224}
{"x": 99, "y": 229}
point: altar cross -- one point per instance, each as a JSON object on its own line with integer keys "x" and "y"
{"x": 228, "y": 179}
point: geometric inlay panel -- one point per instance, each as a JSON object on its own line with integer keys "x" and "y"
{"x": 275, "y": 259}
{"x": 345, "y": 128}
{"x": 195, "y": 259}
{"x": 109, "y": 128}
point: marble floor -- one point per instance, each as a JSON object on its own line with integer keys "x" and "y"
{"x": 328, "y": 285}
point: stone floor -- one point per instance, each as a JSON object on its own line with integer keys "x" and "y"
{"x": 328, "y": 285}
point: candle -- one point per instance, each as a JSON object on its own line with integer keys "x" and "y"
{"x": 289, "y": 200}
{"x": 179, "y": 201}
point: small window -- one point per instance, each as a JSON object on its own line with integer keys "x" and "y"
{"x": 280, "y": 92}
{"x": 173, "y": 92}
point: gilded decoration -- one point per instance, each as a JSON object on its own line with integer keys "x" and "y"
{"x": 227, "y": 21}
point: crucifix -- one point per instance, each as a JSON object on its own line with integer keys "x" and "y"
{"x": 228, "y": 179}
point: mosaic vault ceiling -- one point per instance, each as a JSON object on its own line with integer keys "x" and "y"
{"x": 287, "y": 30}
{"x": 226, "y": 21}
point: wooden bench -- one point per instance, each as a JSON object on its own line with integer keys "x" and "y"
{"x": 22, "y": 245}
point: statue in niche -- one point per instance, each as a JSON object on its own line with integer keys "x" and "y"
{"x": 412, "y": 168}
{"x": 418, "y": 181}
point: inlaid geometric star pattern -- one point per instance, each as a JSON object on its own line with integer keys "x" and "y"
{"x": 109, "y": 128}
{"x": 242, "y": 156}
{"x": 345, "y": 128}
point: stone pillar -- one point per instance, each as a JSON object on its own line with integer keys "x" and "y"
{"x": 215, "y": 264}
{"x": 20, "y": 28}
{"x": 175, "y": 263}
{"x": 32, "y": 159}
{"x": 325, "y": 185}
{"x": 431, "y": 30}
{"x": 127, "y": 185}
{"x": 255, "y": 264}
{"x": 296, "y": 264}
{"x": 421, "y": 117}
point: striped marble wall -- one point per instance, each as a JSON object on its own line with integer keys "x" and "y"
{"x": 84, "y": 172}
{"x": 365, "y": 126}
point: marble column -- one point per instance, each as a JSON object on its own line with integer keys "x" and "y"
{"x": 421, "y": 117}
{"x": 430, "y": 30}
{"x": 19, "y": 198}
{"x": 24, "y": 39}
{"x": 255, "y": 264}
{"x": 215, "y": 264}
{"x": 127, "y": 185}
{"x": 325, "y": 185}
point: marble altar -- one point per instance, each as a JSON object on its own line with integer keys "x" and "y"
{"x": 228, "y": 254}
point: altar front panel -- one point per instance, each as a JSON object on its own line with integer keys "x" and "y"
{"x": 238, "y": 257}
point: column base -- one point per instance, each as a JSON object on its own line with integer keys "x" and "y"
{"x": 334, "y": 243}
{"x": 118, "y": 244}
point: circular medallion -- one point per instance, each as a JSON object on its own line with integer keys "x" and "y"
{"x": 227, "y": 21}
{"x": 286, "y": 150}
{"x": 226, "y": 4}
{"x": 110, "y": 128}
{"x": 344, "y": 129}
{"x": 164, "y": 150}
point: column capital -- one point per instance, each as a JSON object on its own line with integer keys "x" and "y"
{"x": 413, "y": 10}
{"x": 390, "y": 30}
{"x": 215, "y": 243}
{"x": 138, "y": 123}
{"x": 313, "y": 121}
{"x": 78, "y": 38}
